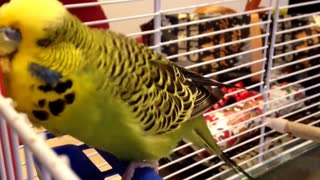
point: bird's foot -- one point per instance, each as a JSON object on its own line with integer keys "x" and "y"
{"x": 129, "y": 173}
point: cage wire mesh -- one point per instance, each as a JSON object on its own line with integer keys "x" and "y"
{"x": 269, "y": 47}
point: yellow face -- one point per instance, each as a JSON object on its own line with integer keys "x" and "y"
{"x": 23, "y": 22}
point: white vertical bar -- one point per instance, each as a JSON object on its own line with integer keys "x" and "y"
{"x": 29, "y": 162}
{"x": 265, "y": 45}
{"x": 15, "y": 150}
{"x": 157, "y": 24}
{"x": 2, "y": 169}
{"x": 265, "y": 90}
{"x": 6, "y": 148}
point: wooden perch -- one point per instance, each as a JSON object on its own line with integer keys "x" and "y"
{"x": 296, "y": 129}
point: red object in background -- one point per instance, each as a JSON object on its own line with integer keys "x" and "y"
{"x": 139, "y": 39}
{"x": 85, "y": 13}
{"x": 1, "y": 84}
{"x": 238, "y": 96}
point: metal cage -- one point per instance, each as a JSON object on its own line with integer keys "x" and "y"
{"x": 271, "y": 48}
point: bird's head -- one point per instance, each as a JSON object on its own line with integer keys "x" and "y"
{"x": 26, "y": 23}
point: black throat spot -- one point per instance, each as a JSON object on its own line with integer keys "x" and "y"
{"x": 40, "y": 115}
{"x": 57, "y": 106}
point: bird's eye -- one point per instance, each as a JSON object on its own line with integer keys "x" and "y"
{"x": 44, "y": 42}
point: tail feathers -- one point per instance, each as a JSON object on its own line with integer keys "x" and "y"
{"x": 203, "y": 81}
{"x": 234, "y": 166}
{"x": 201, "y": 136}
{"x": 214, "y": 148}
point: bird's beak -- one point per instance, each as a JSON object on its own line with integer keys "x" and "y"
{"x": 9, "y": 41}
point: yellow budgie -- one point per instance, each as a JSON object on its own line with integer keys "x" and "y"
{"x": 102, "y": 87}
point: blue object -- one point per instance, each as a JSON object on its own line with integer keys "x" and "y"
{"x": 86, "y": 170}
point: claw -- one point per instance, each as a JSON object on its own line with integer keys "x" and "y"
{"x": 129, "y": 173}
